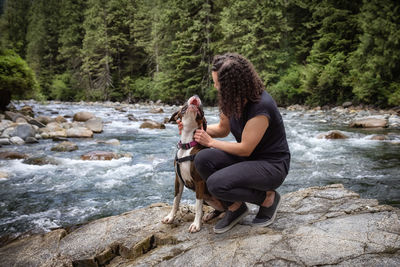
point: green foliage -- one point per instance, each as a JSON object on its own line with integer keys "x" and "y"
{"x": 289, "y": 90}
{"x": 17, "y": 80}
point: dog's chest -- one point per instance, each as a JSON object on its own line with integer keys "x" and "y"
{"x": 185, "y": 166}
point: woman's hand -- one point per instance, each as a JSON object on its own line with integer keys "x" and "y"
{"x": 203, "y": 138}
{"x": 180, "y": 126}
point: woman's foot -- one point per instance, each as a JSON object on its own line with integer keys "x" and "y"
{"x": 266, "y": 214}
{"x": 211, "y": 215}
{"x": 232, "y": 216}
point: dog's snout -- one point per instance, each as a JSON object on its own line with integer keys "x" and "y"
{"x": 194, "y": 100}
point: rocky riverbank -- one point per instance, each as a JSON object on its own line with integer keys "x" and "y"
{"x": 322, "y": 226}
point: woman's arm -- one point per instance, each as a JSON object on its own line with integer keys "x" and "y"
{"x": 221, "y": 129}
{"x": 252, "y": 133}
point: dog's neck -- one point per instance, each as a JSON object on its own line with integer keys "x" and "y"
{"x": 187, "y": 135}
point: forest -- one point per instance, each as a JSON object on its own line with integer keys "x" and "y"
{"x": 313, "y": 52}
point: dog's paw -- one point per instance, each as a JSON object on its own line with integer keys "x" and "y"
{"x": 168, "y": 219}
{"x": 194, "y": 227}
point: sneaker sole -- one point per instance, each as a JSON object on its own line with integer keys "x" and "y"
{"x": 264, "y": 224}
{"x": 233, "y": 223}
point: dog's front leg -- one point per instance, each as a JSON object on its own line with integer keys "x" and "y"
{"x": 196, "y": 225}
{"x": 177, "y": 199}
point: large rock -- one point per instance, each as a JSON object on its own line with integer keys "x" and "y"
{"x": 12, "y": 155}
{"x": 4, "y": 124}
{"x": 83, "y": 116}
{"x": 16, "y": 140}
{"x": 369, "y": 123}
{"x": 95, "y": 124}
{"x": 315, "y": 226}
{"x": 79, "y": 132}
{"x": 41, "y": 160}
{"x": 24, "y": 131}
{"x": 334, "y": 134}
{"x": 149, "y": 124}
{"x": 104, "y": 155}
{"x": 53, "y": 130}
{"x": 65, "y": 146}
{"x": 13, "y": 116}
{"x": 27, "y": 111}
{"x": 43, "y": 120}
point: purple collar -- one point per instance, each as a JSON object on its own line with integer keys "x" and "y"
{"x": 186, "y": 145}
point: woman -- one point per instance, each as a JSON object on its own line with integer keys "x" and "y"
{"x": 252, "y": 168}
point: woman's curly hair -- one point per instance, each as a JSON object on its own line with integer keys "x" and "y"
{"x": 239, "y": 83}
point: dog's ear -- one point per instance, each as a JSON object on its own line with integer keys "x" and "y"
{"x": 174, "y": 116}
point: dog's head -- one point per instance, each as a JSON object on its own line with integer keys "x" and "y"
{"x": 191, "y": 114}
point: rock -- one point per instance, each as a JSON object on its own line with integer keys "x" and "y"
{"x": 43, "y": 120}
{"x": 83, "y": 116}
{"x": 53, "y": 129}
{"x": 65, "y": 146}
{"x": 5, "y": 141}
{"x": 369, "y": 123}
{"x": 27, "y": 111}
{"x": 79, "y": 132}
{"x": 131, "y": 117}
{"x": 31, "y": 140}
{"x": 21, "y": 120}
{"x": 120, "y": 109}
{"x": 40, "y": 160}
{"x": 24, "y": 131}
{"x": 12, "y": 155}
{"x": 152, "y": 125}
{"x": 99, "y": 155}
{"x": 378, "y": 137}
{"x": 326, "y": 225}
{"x": 334, "y": 134}
{"x": 4, "y": 124}
{"x": 59, "y": 139}
{"x": 17, "y": 140}
{"x": 113, "y": 142}
{"x": 3, "y": 175}
{"x": 36, "y": 123}
{"x": 347, "y": 104}
{"x": 95, "y": 124}
{"x": 156, "y": 110}
{"x": 60, "y": 119}
{"x": 13, "y": 116}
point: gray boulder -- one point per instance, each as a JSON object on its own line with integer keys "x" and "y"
{"x": 17, "y": 140}
{"x": 79, "y": 132}
{"x": 83, "y": 116}
{"x": 95, "y": 124}
{"x": 369, "y": 123}
{"x": 24, "y": 131}
{"x": 65, "y": 146}
{"x": 5, "y": 141}
{"x": 316, "y": 226}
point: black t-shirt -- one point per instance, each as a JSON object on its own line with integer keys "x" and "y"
{"x": 273, "y": 146}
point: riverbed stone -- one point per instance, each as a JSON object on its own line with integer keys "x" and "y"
{"x": 41, "y": 160}
{"x": 99, "y": 155}
{"x": 337, "y": 227}
{"x": 12, "y": 155}
{"x": 16, "y": 140}
{"x": 4, "y": 124}
{"x": 43, "y": 119}
{"x": 13, "y": 116}
{"x": 369, "y": 123}
{"x": 31, "y": 140}
{"x": 334, "y": 134}
{"x": 27, "y": 111}
{"x": 113, "y": 142}
{"x": 79, "y": 132}
{"x": 5, "y": 141}
{"x": 95, "y": 124}
{"x": 24, "y": 131}
{"x": 149, "y": 124}
{"x": 60, "y": 119}
{"x": 65, "y": 146}
{"x": 83, "y": 116}
{"x": 36, "y": 123}
{"x": 156, "y": 110}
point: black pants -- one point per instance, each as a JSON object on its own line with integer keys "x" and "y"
{"x": 231, "y": 178}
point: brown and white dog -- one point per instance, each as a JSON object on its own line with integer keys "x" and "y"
{"x": 192, "y": 118}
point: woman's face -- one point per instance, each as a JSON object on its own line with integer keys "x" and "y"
{"x": 215, "y": 79}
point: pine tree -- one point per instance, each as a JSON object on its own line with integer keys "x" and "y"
{"x": 375, "y": 74}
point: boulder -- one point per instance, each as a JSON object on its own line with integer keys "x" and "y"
{"x": 95, "y": 124}
{"x": 60, "y": 119}
{"x": 4, "y": 124}
{"x": 8, "y": 132}
{"x": 65, "y": 146}
{"x": 17, "y": 140}
{"x": 13, "y": 116}
{"x": 79, "y": 132}
{"x": 31, "y": 140}
{"x": 21, "y": 120}
{"x": 83, "y": 116}
{"x": 156, "y": 110}
{"x": 334, "y": 134}
{"x": 43, "y": 119}
{"x": 369, "y": 123}
{"x": 27, "y": 111}
{"x": 152, "y": 125}
{"x": 5, "y": 141}
{"x": 12, "y": 155}
{"x": 347, "y": 104}
{"x": 131, "y": 117}
{"x": 40, "y": 160}
{"x": 379, "y": 137}
{"x": 100, "y": 155}
{"x": 52, "y": 130}
{"x": 317, "y": 226}
{"x": 113, "y": 142}
{"x": 36, "y": 123}
{"x": 24, "y": 131}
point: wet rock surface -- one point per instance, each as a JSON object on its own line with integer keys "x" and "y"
{"x": 327, "y": 225}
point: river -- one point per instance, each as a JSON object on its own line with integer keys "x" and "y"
{"x": 40, "y": 198}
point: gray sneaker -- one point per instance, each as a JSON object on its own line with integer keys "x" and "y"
{"x": 230, "y": 219}
{"x": 266, "y": 216}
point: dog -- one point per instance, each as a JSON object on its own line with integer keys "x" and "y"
{"x": 192, "y": 118}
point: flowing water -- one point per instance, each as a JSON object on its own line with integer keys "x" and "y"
{"x": 40, "y": 198}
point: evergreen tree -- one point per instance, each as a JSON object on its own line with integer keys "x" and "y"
{"x": 14, "y": 24}
{"x": 375, "y": 74}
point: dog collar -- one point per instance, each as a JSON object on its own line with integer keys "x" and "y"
{"x": 186, "y": 145}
